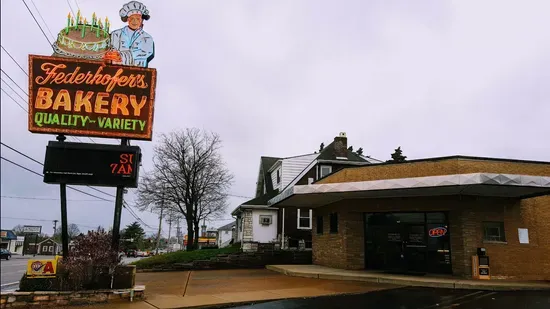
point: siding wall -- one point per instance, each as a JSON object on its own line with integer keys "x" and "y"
{"x": 292, "y": 167}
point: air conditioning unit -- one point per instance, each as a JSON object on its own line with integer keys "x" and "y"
{"x": 265, "y": 220}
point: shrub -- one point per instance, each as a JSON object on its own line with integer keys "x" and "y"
{"x": 91, "y": 262}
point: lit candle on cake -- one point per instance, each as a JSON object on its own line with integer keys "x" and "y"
{"x": 84, "y": 27}
{"x": 107, "y": 24}
{"x": 97, "y": 30}
{"x": 78, "y": 17}
{"x": 73, "y": 22}
{"x": 68, "y": 23}
{"x": 93, "y": 19}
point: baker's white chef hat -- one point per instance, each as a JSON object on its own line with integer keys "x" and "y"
{"x": 133, "y": 7}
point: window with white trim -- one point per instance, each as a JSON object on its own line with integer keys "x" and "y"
{"x": 304, "y": 219}
{"x": 324, "y": 170}
{"x": 51, "y": 248}
{"x": 278, "y": 176}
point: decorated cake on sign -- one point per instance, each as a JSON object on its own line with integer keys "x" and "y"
{"x": 83, "y": 39}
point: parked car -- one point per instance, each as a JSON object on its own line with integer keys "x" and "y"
{"x": 131, "y": 253}
{"x": 5, "y": 254}
{"x": 141, "y": 254}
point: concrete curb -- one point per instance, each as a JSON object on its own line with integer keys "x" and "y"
{"x": 415, "y": 281}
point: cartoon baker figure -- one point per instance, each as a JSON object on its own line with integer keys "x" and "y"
{"x": 131, "y": 45}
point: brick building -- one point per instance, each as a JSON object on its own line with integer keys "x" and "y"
{"x": 431, "y": 216}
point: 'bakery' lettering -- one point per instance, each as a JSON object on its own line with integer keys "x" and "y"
{"x": 89, "y": 102}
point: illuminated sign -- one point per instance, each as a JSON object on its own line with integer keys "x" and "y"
{"x": 41, "y": 268}
{"x": 437, "y": 232}
{"x": 90, "y": 98}
{"x": 92, "y": 164}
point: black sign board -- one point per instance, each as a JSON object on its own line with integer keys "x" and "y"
{"x": 92, "y": 164}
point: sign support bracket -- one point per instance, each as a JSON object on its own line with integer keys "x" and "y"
{"x": 64, "y": 224}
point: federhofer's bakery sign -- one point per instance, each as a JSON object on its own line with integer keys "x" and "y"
{"x": 90, "y": 98}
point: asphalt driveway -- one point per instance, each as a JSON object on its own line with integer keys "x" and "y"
{"x": 417, "y": 298}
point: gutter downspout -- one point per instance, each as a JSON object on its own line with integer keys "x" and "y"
{"x": 283, "y": 231}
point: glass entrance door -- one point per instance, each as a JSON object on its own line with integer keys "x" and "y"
{"x": 401, "y": 242}
{"x": 414, "y": 247}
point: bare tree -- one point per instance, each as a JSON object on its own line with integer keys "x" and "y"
{"x": 72, "y": 231}
{"x": 188, "y": 171}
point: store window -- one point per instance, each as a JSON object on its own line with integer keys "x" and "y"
{"x": 334, "y": 223}
{"x": 493, "y": 231}
{"x": 304, "y": 219}
{"x": 319, "y": 224}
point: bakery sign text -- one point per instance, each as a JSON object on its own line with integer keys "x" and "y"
{"x": 90, "y": 98}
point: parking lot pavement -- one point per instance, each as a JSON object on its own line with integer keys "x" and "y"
{"x": 13, "y": 270}
{"x": 418, "y": 298}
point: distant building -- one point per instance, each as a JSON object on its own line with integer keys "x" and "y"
{"x": 49, "y": 247}
{"x": 12, "y": 242}
{"x": 226, "y": 234}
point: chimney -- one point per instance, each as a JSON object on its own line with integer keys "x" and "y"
{"x": 341, "y": 146}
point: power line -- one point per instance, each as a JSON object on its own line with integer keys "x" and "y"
{"x": 36, "y": 161}
{"x": 44, "y": 198}
{"x": 45, "y": 220}
{"x": 14, "y": 60}
{"x": 38, "y": 174}
{"x": 12, "y": 89}
{"x": 19, "y": 152}
{"x": 14, "y": 82}
{"x": 14, "y": 100}
{"x": 70, "y": 7}
{"x": 129, "y": 209}
{"x": 42, "y": 18}
{"x": 36, "y": 21}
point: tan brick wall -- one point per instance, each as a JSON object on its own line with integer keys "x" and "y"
{"x": 466, "y": 214}
{"x": 433, "y": 168}
{"x": 328, "y": 249}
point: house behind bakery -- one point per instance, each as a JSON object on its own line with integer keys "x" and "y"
{"x": 289, "y": 227}
{"x": 225, "y": 235}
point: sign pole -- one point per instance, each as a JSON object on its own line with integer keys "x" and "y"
{"x": 64, "y": 224}
{"x": 119, "y": 201}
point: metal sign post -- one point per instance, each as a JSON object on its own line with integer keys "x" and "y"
{"x": 64, "y": 224}
{"x": 119, "y": 201}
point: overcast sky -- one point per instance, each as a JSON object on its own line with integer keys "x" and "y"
{"x": 277, "y": 78}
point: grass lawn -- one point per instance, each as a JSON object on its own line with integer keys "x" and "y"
{"x": 182, "y": 257}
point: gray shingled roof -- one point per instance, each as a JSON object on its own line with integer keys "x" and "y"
{"x": 227, "y": 226}
{"x": 328, "y": 154}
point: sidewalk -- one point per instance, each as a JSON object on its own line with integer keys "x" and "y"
{"x": 321, "y": 272}
{"x": 227, "y": 287}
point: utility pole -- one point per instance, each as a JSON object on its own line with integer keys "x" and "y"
{"x": 160, "y": 220}
{"x": 55, "y": 226}
{"x": 178, "y": 233}
{"x": 169, "y": 228}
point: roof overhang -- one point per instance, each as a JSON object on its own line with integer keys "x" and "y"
{"x": 476, "y": 184}
{"x": 243, "y": 207}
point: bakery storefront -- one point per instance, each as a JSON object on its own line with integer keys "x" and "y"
{"x": 431, "y": 216}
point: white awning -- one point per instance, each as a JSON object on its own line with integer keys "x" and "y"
{"x": 476, "y": 184}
